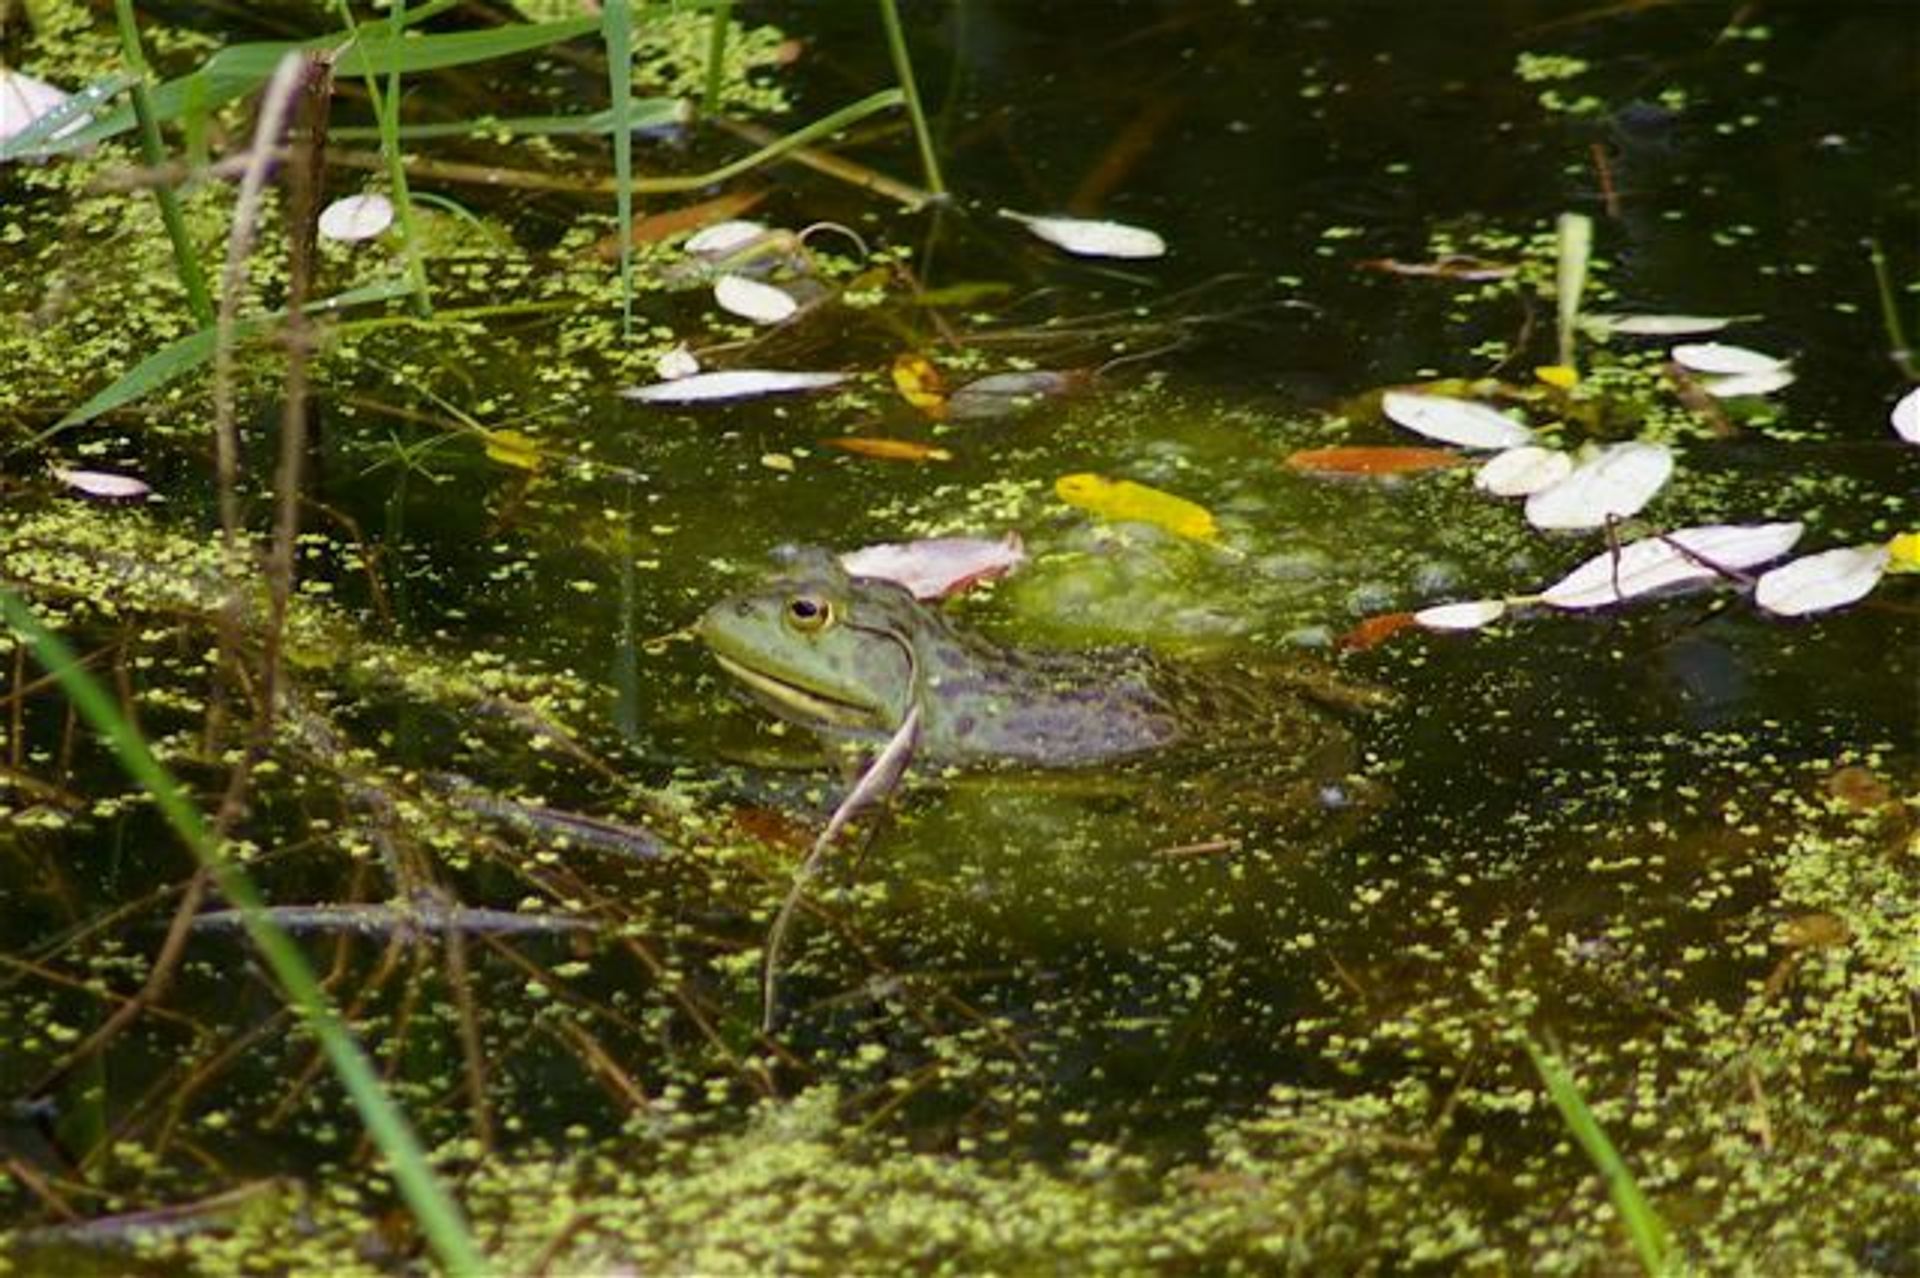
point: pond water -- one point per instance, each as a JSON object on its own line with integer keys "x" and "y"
{"x": 1217, "y": 1008}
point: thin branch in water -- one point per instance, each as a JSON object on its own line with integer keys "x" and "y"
{"x": 873, "y": 786}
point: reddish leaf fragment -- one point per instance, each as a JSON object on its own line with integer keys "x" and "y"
{"x": 1374, "y": 631}
{"x": 1372, "y": 461}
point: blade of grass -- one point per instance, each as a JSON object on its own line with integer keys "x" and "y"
{"x": 1576, "y": 253}
{"x": 721, "y": 19}
{"x": 903, "y": 71}
{"x": 239, "y": 69}
{"x": 438, "y": 1216}
{"x": 386, "y": 113}
{"x": 1897, "y": 348}
{"x": 616, "y": 28}
{"x": 645, "y": 113}
{"x": 153, "y": 154}
{"x": 1645, "y": 1230}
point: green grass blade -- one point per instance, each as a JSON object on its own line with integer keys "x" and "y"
{"x": 903, "y": 71}
{"x": 826, "y": 126}
{"x": 721, "y": 18}
{"x": 185, "y": 263}
{"x": 438, "y": 1216}
{"x": 644, "y": 113}
{"x": 1645, "y": 1230}
{"x": 28, "y": 142}
{"x": 1576, "y": 255}
{"x": 188, "y": 353}
{"x": 239, "y": 69}
{"x": 616, "y": 28}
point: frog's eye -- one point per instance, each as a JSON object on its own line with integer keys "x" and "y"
{"x": 807, "y": 614}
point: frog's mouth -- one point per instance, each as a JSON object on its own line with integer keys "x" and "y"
{"x": 801, "y": 702}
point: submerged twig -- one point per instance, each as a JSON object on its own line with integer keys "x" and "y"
{"x": 873, "y": 786}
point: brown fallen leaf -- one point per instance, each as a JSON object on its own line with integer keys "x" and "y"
{"x": 888, "y": 449}
{"x": 1373, "y": 461}
{"x": 1374, "y": 631}
{"x": 654, "y": 228}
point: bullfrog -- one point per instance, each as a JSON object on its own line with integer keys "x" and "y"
{"x": 847, "y": 657}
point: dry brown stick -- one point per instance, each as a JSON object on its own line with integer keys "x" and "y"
{"x": 476, "y": 1067}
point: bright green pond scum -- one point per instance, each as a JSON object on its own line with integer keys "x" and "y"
{"x": 1260, "y": 1002}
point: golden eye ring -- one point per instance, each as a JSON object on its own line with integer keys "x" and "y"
{"x": 809, "y": 615}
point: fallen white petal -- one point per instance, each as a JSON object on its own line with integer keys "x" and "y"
{"x": 937, "y": 566}
{"x": 1817, "y": 583}
{"x": 1654, "y": 564}
{"x": 750, "y": 299}
{"x": 1461, "y": 616}
{"x": 1454, "y": 421}
{"x": 1906, "y": 416}
{"x": 1659, "y": 325}
{"x": 1523, "y": 471}
{"x": 24, "y": 99}
{"x": 735, "y": 383}
{"x": 723, "y": 237}
{"x": 1612, "y": 485}
{"x": 100, "y": 483}
{"x": 1748, "y": 383}
{"x": 1088, "y": 237}
{"x": 356, "y": 217}
{"x": 1730, "y": 361}
{"x": 676, "y": 364}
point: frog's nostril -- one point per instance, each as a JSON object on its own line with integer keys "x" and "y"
{"x": 743, "y": 609}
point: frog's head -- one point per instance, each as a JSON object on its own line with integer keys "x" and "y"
{"x": 819, "y": 648}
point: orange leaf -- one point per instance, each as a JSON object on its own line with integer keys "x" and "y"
{"x": 1373, "y": 461}
{"x": 668, "y": 223}
{"x": 1374, "y": 631}
{"x": 888, "y": 449}
{"x": 921, "y": 384}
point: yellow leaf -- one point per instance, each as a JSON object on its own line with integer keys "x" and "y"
{"x": 1558, "y": 376}
{"x": 511, "y": 448}
{"x": 920, "y": 384}
{"x": 1904, "y": 552}
{"x": 1122, "y": 499}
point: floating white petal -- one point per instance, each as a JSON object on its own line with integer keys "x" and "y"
{"x": 1748, "y": 383}
{"x": 735, "y": 383}
{"x": 937, "y": 566}
{"x": 1089, "y": 237}
{"x": 750, "y": 299}
{"x": 1454, "y": 421}
{"x": 1906, "y": 416}
{"x": 676, "y": 364}
{"x": 1614, "y": 484}
{"x": 24, "y": 99}
{"x": 1680, "y": 558}
{"x": 1817, "y": 583}
{"x": 1523, "y": 471}
{"x": 1658, "y": 325}
{"x": 356, "y": 217}
{"x": 1461, "y": 616}
{"x": 100, "y": 483}
{"x": 724, "y": 237}
{"x": 1729, "y": 361}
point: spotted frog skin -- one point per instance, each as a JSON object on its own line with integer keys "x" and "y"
{"x": 847, "y": 657}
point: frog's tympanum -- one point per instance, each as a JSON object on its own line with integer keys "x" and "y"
{"x": 846, "y": 657}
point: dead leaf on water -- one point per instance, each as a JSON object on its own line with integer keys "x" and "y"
{"x": 879, "y": 446}
{"x": 1372, "y": 461}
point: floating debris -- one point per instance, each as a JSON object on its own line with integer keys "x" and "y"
{"x": 1372, "y": 462}
{"x": 885, "y": 449}
{"x": 1820, "y": 583}
{"x": 734, "y": 383}
{"x": 1087, "y": 237}
{"x": 1613, "y": 484}
{"x": 1684, "y": 557}
{"x": 723, "y": 238}
{"x": 676, "y": 364}
{"x": 1725, "y": 361}
{"x": 1523, "y": 471}
{"x": 1004, "y": 394}
{"x": 936, "y": 567}
{"x": 1906, "y": 416}
{"x": 1127, "y": 502}
{"x": 1655, "y": 325}
{"x": 1470, "y": 615}
{"x": 356, "y": 217}
{"x": 1454, "y": 421}
{"x": 103, "y": 484}
{"x": 750, "y": 299}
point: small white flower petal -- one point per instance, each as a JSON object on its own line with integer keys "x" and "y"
{"x": 1906, "y": 416}
{"x": 734, "y": 383}
{"x": 750, "y": 299}
{"x": 1613, "y": 484}
{"x": 676, "y": 363}
{"x": 1748, "y": 383}
{"x": 723, "y": 237}
{"x": 1461, "y": 616}
{"x": 1719, "y": 358}
{"x": 1088, "y": 237}
{"x": 1454, "y": 421}
{"x": 1819, "y": 583}
{"x": 356, "y": 217}
{"x": 1523, "y": 471}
